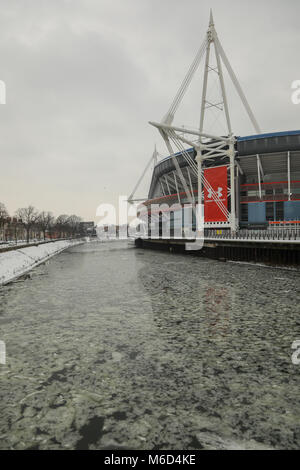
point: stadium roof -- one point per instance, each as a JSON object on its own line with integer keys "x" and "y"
{"x": 272, "y": 148}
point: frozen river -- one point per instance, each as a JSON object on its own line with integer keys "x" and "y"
{"x": 112, "y": 347}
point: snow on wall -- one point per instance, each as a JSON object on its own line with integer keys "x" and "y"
{"x": 15, "y": 263}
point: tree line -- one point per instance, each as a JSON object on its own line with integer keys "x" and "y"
{"x": 29, "y": 221}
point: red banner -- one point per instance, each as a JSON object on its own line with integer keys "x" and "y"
{"x": 216, "y": 181}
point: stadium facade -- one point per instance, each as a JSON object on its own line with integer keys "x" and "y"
{"x": 267, "y": 179}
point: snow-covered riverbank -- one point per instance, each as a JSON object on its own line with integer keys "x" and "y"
{"x": 18, "y": 262}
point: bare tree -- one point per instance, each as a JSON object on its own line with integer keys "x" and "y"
{"x": 28, "y": 217}
{"x": 45, "y": 221}
{"x": 3, "y": 217}
{"x": 62, "y": 224}
{"x": 73, "y": 223}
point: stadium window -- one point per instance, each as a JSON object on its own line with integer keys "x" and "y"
{"x": 160, "y": 223}
{"x": 279, "y": 191}
{"x": 244, "y": 212}
{"x": 269, "y": 195}
{"x": 270, "y": 211}
{"x": 171, "y": 224}
{"x": 279, "y": 211}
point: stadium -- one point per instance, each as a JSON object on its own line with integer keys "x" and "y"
{"x": 250, "y": 182}
{"x": 267, "y": 179}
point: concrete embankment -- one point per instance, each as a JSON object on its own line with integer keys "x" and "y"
{"x": 273, "y": 252}
{"x": 14, "y": 264}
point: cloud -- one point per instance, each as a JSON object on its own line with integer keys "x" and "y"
{"x": 84, "y": 77}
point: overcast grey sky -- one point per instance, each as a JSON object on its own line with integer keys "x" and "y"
{"x": 84, "y": 77}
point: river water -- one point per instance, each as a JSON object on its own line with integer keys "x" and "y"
{"x": 112, "y": 347}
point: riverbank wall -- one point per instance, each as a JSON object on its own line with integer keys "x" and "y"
{"x": 272, "y": 252}
{"x": 17, "y": 262}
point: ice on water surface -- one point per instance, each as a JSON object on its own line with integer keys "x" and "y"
{"x": 113, "y": 347}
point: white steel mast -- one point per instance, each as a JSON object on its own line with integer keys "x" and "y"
{"x": 207, "y": 146}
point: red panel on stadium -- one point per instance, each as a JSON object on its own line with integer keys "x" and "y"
{"x": 217, "y": 179}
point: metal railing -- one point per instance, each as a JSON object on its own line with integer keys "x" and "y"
{"x": 276, "y": 234}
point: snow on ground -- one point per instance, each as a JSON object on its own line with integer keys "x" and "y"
{"x": 15, "y": 263}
